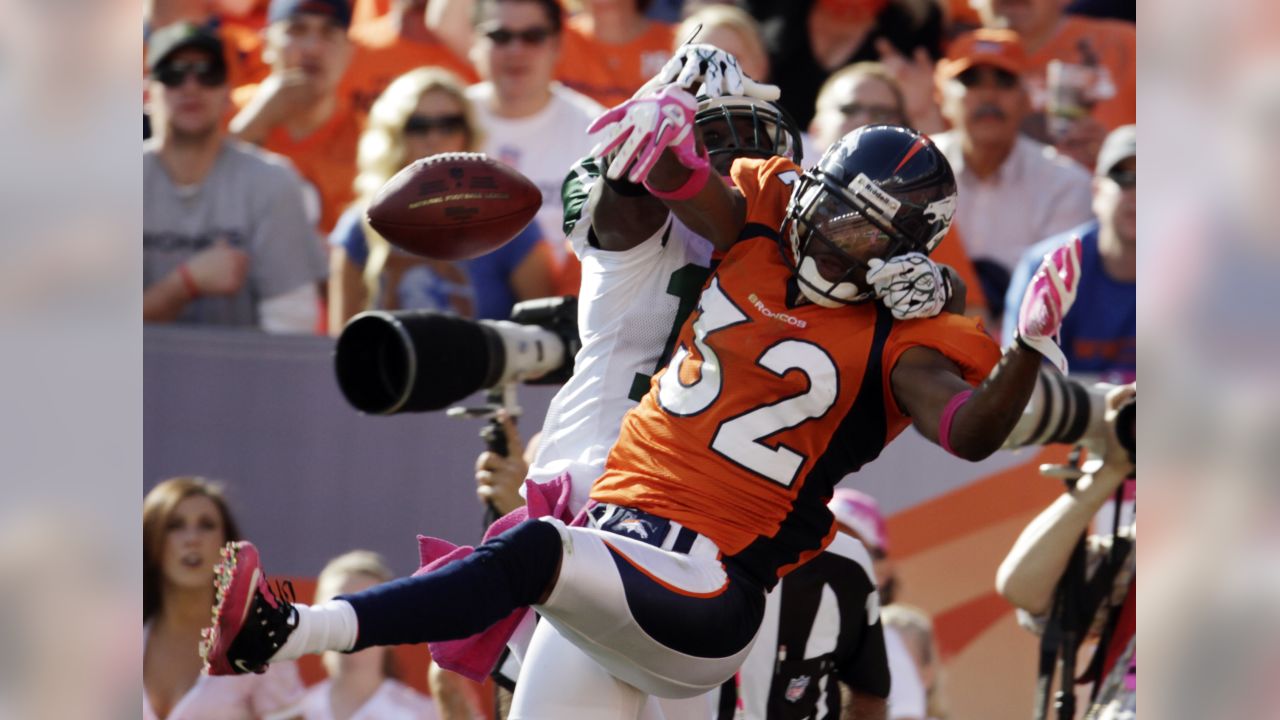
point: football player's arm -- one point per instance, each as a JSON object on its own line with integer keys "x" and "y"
{"x": 717, "y": 212}
{"x": 620, "y": 214}
{"x": 622, "y": 221}
{"x": 973, "y": 424}
{"x": 924, "y": 383}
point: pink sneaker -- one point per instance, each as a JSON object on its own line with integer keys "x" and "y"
{"x": 250, "y": 621}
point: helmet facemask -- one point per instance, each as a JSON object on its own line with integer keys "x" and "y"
{"x": 831, "y": 241}
{"x": 880, "y": 192}
{"x": 742, "y": 127}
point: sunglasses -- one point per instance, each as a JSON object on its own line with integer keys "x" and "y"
{"x": 533, "y": 36}
{"x": 1124, "y": 178}
{"x": 425, "y": 124}
{"x": 208, "y": 73}
{"x": 975, "y": 76}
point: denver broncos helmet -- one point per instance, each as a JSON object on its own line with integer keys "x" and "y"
{"x": 879, "y": 192}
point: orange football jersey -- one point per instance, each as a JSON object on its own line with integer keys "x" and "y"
{"x": 768, "y": 402}
{"x": 326, "y": 159}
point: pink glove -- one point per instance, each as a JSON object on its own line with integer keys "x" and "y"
{"x": 1048, "y": 298}
{"x": 641, "y": 128}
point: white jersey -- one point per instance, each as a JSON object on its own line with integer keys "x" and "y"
{"x": 541, "y": 146}
{"x": 630, "y": 308}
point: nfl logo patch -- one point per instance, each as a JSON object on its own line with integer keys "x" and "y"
{"x": 796, "y": 688}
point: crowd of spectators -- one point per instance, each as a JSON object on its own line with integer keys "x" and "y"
{"x": 271, "y": 123}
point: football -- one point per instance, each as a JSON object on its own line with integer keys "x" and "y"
{"x": 454, "y": 206}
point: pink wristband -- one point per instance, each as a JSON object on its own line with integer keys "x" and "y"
{"x": 697, "y": 180}
{"x": 949, "y": 414}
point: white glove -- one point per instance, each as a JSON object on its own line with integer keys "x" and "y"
{"x": 642, "y": 127}
{"x": 910, "y": 285}
{"x": 717, "y": 70}
{"x": 1049, "y": 297}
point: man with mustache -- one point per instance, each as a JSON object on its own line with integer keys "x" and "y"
{"x": 1013, "y": 191}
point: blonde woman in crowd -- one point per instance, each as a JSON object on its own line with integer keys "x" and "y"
{"x": 916, "y": 630}
{"x": 362, "y": 685}
{"x": 422, "y": 113}
{"x": 185, "y": 522}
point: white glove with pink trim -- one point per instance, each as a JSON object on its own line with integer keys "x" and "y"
{"x": 1048, "y": 298}
{"x": 641, "y": 128}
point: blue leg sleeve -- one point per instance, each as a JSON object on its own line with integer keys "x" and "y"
{"x": 463, "y": 598}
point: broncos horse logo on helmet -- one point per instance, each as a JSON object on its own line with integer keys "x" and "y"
{"x": 879, "y": 192}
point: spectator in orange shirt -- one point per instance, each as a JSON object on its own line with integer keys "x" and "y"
{"x": 610, "y": 49}
{"x": 297, "y": 110}
{"x": 242, "y": 23}
{"x": 392, "y": 44}
{"x": 1081, "y": 72}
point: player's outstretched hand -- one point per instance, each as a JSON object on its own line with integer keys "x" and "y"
{"x": 638, "y": 130}
{"x": 1048, "y": 298}
{"x": 716, "y": 70}
{"x": 499, "y": 477}
{"x": 910, "y": 285}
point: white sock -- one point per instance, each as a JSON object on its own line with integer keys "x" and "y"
{"x": 328, "y": 626}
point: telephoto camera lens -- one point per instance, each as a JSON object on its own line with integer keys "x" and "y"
{"x": 422, "y": 360}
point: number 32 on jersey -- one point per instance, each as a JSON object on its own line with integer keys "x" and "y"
{"x": 741, "y": 439}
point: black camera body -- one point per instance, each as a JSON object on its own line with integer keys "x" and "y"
{"x": 1127, "y": 428}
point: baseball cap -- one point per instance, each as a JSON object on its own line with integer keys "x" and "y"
{"x": 1121, "y": 143}
{"x": 861, "y": 513}
{"x": 169, "y": 39}
{"x": 338, "y": 10}
{"x": 1001, "y": 48}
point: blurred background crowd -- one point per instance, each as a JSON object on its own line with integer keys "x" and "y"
{"x": 269, "y": 126}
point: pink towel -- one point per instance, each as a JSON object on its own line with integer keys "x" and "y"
{"x": 475, "y": 657}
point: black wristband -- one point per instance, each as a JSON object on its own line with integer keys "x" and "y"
{"x": 625, "y": 188}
